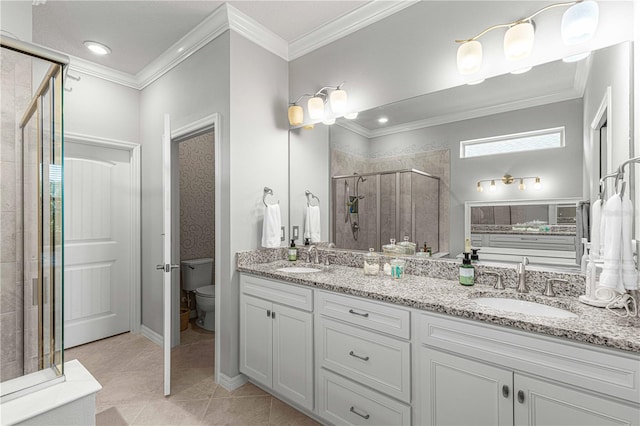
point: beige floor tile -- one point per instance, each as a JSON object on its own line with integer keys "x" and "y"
{"x": 192, "y": 384}
{"x": 123, "y": 388}
{"x": 114, "y": 414}
{"x": 169, "y": 412}
{"x": 245, "y": 390}
{"x": 285, "y": 415}
{"x": 238, "y": 411}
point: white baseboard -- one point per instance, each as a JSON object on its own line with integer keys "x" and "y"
{"x": 151, "y": 335}
{"x": 232, "y": 383}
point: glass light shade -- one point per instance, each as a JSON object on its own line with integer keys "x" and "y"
{"x": 576, "y": 58}
{"x": 492, "y": 187}
{"x": 518, "y": 41}
{"x": 329, "y": 120}
{"x": 469, "y": 57}
{"x": 338, "y": 99}
{"x": 296, "y": 115}
{"x": 315, "y": 107}
{"x": 479, "y": 188}
{"x": 579, "y": 22}
{"x": 522, "y": 186}
{"x": 521, "y": 70}
{"x": 538, "y": 185}
{"x": 351, "y": 115}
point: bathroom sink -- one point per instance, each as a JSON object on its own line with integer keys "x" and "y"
{"x": 298, "y": 270}
{"x": 524, "y": 307}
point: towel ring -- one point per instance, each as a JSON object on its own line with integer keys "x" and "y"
{"x": 267, "y": 191}
{"x": 309, "y": 193}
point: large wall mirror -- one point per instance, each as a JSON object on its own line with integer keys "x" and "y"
{"x": 407, "y": 176}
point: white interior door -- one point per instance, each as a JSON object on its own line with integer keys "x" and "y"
{"x": 97, "y": 190}
{"x": 166, "y": 266}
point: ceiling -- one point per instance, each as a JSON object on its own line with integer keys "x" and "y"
{"x": 139, "y": 31}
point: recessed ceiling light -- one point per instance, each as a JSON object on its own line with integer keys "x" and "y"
{"x": 97, "y": 48}
{"x": 576, "y": 58}
{"x": 521, "y": 70}
{"x": 382, "y": 120}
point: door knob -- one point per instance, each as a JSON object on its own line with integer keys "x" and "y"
{"x": 167, "y": 267}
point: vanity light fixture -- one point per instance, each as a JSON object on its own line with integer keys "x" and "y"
{"x": 97, "y": 48}
{"x": 507, "y": 179}
{"x": 579, "y": 23}
{"x": 335, "y": 96}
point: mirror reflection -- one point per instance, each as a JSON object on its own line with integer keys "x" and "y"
{"x": 429, "y": 133}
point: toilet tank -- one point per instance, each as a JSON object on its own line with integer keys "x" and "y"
{"x": 196, "y": 273}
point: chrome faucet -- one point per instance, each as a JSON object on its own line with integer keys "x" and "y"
{"x": 315, "y": 258}
{"x": 522, "y": 275}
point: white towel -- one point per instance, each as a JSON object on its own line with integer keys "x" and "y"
{"x": 271, "y": 226}
{"x": 596, "y": 212}
{"x": 611, "y": 270}
{"x": 312, "y": 224}
{"x": 629, "y": 273}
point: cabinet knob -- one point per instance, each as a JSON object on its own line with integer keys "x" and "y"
{"x": 268, "y": 312}
{"x": 505, "y": 391}
{"x": 273, "y": 314}
{"x": 521, "y": 396}
{"x": 354, "y": 411}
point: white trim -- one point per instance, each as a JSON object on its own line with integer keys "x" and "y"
{"x": 353, "y": 21}
{"x": 231, "y": 383}
{"x": 604, "y": 114}
{"x": 257, "y": 33}
{"x": 103, "y": 72}
{"x": 151, "y": 335}
{"x": 212, "y": 27}
{"x": 510, "y": 137}
{"x": 135, "y": 280}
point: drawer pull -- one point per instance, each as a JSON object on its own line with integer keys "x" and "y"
{"x": 364, "y": 358}
{"x": 366, "y": 314}
{"x": 364, "y": 416}
{"x": 520, "y": 397}
{"x": 505, "y": 391}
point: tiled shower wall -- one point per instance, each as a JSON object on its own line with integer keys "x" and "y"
{"x": 197, "y": 207}
{"x": 15, "y": 86}
{"x": 434, "y": 162}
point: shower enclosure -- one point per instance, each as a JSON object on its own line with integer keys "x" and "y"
{"x": 31, "y": 234}
{"x": 370, "y": 209}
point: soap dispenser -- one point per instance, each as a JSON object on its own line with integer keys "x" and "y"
{"x": 467, "y": 271}
{"x": 293, "y": 251}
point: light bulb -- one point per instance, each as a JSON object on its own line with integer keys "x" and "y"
{"x": 492, "y": 187}
{"x": 338, "y": 99}
{"x": 296, "y": 115}
{"x": 518, "y": 41}
{"x": 316, "y": 108}
{"x": 469, "y": 57}
{"x": 537, "y": 186}
{"x": 479, "y": 188}
{"x": 522, "y": 186}
{"x": 579, "y": 22}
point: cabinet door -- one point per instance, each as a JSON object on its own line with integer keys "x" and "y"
{"x": 538, "y": 402}
{"x": 256, "y": 339}
{"x": 293, "y": 355}
{"x": 458, "y": 391}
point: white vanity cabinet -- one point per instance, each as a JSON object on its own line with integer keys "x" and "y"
{"x": 364, "y": 361}
{"x": 276, "y": 337}
{"x": 472, "y": 373}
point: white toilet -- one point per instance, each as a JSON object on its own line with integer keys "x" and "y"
{"x": 196, "y": 278}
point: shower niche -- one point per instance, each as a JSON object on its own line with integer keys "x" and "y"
{"x": 372, "y": 208}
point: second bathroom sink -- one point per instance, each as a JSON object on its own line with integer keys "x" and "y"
{"x": 298, "y": 270}
{"x": 524, "y": 307}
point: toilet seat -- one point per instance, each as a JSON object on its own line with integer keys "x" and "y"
{"x": 206, "y": 291}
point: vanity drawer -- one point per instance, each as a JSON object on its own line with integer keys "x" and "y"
{"x": 284, "y": 294}
{"x": 343, "y": 402}
{"x": 607, "y": 371}
{"x": 376, "y": 316}
{"x": 378, "y": 361}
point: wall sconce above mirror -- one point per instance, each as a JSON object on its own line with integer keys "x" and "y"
{"x": 579, "y": 23}
{"x": 507, "y": 179}
{"x": 337, "y": 98}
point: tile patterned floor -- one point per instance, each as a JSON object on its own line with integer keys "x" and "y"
{"x": 129, "y": 368}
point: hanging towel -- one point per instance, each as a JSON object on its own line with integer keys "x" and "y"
{"x": 312, "y": 224}
{"x": 596, "y": 218}
{"x": 271, "y": 226}
{"x": 629, "y": 273}
{"x": 611, "y": 272}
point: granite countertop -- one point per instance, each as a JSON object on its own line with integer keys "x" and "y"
{"x": 593, "y": 325}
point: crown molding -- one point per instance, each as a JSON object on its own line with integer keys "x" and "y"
{"x": 256, "y": 32}
{"x": 103, "y": 72}
{"x": 355, "y": 128}
{"x": 209, "y": 29}
{"x": 353, "y": 21}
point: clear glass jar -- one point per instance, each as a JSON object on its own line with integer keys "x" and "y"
{"x": 371, "y": 263}
{"x": 397, "y": 268}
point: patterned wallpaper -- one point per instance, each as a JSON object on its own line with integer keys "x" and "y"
{"x": 197, "y": 197}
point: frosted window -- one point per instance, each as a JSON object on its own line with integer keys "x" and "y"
{"x": 529, "y": 141}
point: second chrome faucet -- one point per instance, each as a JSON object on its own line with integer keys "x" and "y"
{"x": 521, "y": 270}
